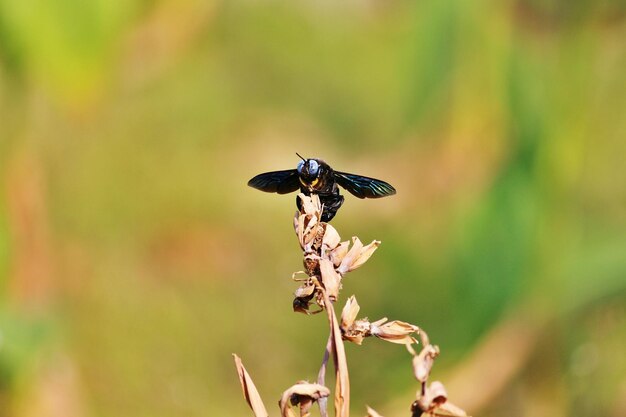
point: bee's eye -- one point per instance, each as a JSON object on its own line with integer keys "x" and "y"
{"x": 299, "y": 167}
{"x": 313, "y": 167}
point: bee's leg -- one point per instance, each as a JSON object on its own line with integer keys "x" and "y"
{"x": 332, "y": 203}
{"x": 328, "y": 215}
{"x": 299, "y": 203}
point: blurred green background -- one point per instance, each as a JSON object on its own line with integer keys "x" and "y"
{"x": 134, "y": 259}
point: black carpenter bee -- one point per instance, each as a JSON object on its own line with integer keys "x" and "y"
{"x": 314, "y": 176}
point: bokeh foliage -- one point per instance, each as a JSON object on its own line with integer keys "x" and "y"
{"x": 134, "y": 260}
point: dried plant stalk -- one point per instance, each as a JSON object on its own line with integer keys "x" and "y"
{"x": 321, "y": 375}
{"x": 342, "y": 383}
{"x": 326, "y": 261}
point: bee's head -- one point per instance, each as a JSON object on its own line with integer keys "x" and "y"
{"x": 309, "y": 169}
{"x": 310, "y": 172}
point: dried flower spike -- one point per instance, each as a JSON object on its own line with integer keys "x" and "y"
{"x": 326, "y": 260}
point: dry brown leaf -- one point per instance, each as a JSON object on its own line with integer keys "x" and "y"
{"x": 330, "y": 278}
{"x": 250, "y": 392}
{"x": 395, "y": 332}
{"x": 321, "y": 375}
{"x": 342, "y": 383}
{"x": 311, "y": 225}
{"x": 305, "y": 225}
{"x": 342, "y": 378}
{"x": 331, "y": 239}
{"x": 299, "y": 228}
{"x": 339, "y": 253}
{"x": 303, "y": 394}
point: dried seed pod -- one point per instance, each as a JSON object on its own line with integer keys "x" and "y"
{"x": 303, "y": 394}
{"x": 349, "y": 313}
{"x": 303, "y": 297}
{"x": 434, "y": 403}
{"x": 423, "y": 363}
{"x": 395, "y": 332}
{"x": 311, "y": 264}
{"x": 357, "y": 255}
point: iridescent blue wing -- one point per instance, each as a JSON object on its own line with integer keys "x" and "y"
{"x": 281, "y": 182}
{"x": 363, "y": 187}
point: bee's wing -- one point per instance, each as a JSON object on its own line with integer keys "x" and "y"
{"x": 281, "y": 182}
{"x": 364, "y": 187}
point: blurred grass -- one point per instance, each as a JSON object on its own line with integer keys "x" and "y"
{"x": 129, "y": 130}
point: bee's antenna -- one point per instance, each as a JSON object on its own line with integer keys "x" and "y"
{"x": 300, "y": 156}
